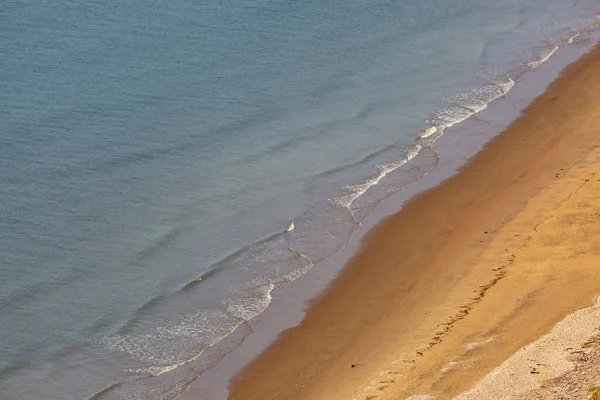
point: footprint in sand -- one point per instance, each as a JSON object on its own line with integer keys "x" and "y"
{"x": 388, "y": 372}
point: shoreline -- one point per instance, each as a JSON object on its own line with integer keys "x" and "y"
{"x": 314, "y": 359}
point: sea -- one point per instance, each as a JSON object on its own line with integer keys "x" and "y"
{"x": 167, "y": 166}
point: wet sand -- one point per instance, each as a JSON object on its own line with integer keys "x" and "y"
{"x": 466, "y": 274}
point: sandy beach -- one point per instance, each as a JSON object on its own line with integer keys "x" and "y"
{"x": 459, "y": 294}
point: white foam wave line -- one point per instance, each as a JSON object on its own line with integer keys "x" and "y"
{"x": 505, "y": 86}
{"x": 478, "y": 98}
{"x": 570, "y": 40}
{"x": 437, "y": 129}
{"x": 447, "y": 122}
{"x": 412, "y": 153}
{"x": 593, "y": 23}
{"x": 384, "y": 169}
{"x": 429, "y": 140}
{"x": 537, "y": 63}
{"x": 427, "y": 132}
{"x": 292, "y": 276}
{"x": 159, "y": 370}
{"x": 477, "y": 106}
{"x": 430, "y": 135}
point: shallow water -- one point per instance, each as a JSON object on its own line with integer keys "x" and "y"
{"x": 153, "y": 155}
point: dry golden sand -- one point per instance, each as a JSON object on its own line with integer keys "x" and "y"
{"x": 449, "y": 289}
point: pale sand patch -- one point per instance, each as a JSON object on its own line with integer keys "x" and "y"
{"x": 480, "y": 343}
{"x": 577, "y": 383}
{"x": 448, "y": 367}
{"x": 546, "y": 358}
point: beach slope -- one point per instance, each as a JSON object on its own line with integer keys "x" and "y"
{"x": 450, "y": 288}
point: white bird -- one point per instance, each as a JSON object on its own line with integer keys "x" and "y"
{"x": 290, "y": 227}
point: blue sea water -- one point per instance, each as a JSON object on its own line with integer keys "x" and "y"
{"x": 153, "y": 153}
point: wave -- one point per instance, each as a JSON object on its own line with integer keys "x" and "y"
{"x": 104, "y": 391}
{"x": 427, "y": 132}
{"x": 465, "y": 105}
{"x": 477, "y": 99}
{"x": 213, "y": 270}
{"x": 362, "y": 161}
{"x": 572, "y": 38}
{"x": 176, "y": 344}
{"x": 544, "y": 56}
{"x": 172, "y": 344}
{"x": 384, "y": 169}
